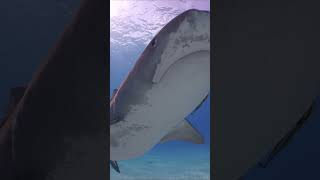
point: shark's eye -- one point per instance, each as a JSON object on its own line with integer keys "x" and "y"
{"x": 154, "y": 42}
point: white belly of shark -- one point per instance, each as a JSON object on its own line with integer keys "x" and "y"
{"x": 181, "y": 89}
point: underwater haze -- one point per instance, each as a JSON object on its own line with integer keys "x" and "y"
{"x": 133, "y": 23}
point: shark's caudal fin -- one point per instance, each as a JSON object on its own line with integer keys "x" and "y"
{"x": 185, "y": 132}
{"x": 115, "y": 166}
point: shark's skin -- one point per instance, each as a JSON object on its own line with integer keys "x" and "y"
{"x": 170, "y": 79}
{"x": 58, "y": 129}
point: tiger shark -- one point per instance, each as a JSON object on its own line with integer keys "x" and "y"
{"x": 56, "y": 126}
{"x": 169, "y": 81}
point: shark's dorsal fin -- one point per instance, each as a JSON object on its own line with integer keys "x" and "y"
{"x": 185, "y": 132}
{"x": 113, "y": 94}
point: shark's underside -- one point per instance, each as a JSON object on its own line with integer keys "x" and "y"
{"x": 169, "y": 81}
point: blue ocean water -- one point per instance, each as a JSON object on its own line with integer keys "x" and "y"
{"x": 133, "y": 24}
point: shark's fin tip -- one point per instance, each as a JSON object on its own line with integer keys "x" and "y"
{"x": 184, "y": 131}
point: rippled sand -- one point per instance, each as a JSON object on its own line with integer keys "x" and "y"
{"x": 175, "y": 161}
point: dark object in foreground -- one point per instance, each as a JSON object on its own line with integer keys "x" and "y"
{"x": 58, "y": 129}
{"x": 262, "y": 83}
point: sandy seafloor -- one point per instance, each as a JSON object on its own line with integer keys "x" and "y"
{"x": 180, "y": 163}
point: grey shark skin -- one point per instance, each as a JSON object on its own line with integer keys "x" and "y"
{"x": 58, "y": 128}
{"x": 169, "y": 80}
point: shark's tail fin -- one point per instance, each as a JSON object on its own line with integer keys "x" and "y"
{"x": 115, "y": 166}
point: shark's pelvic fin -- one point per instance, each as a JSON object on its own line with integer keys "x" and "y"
{"x": 115, "y": 166}
{"x": 185, "y": 132}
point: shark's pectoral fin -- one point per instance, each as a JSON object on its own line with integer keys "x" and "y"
{"x": 185, "y": 132}
{"x": 115, "y": 166}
